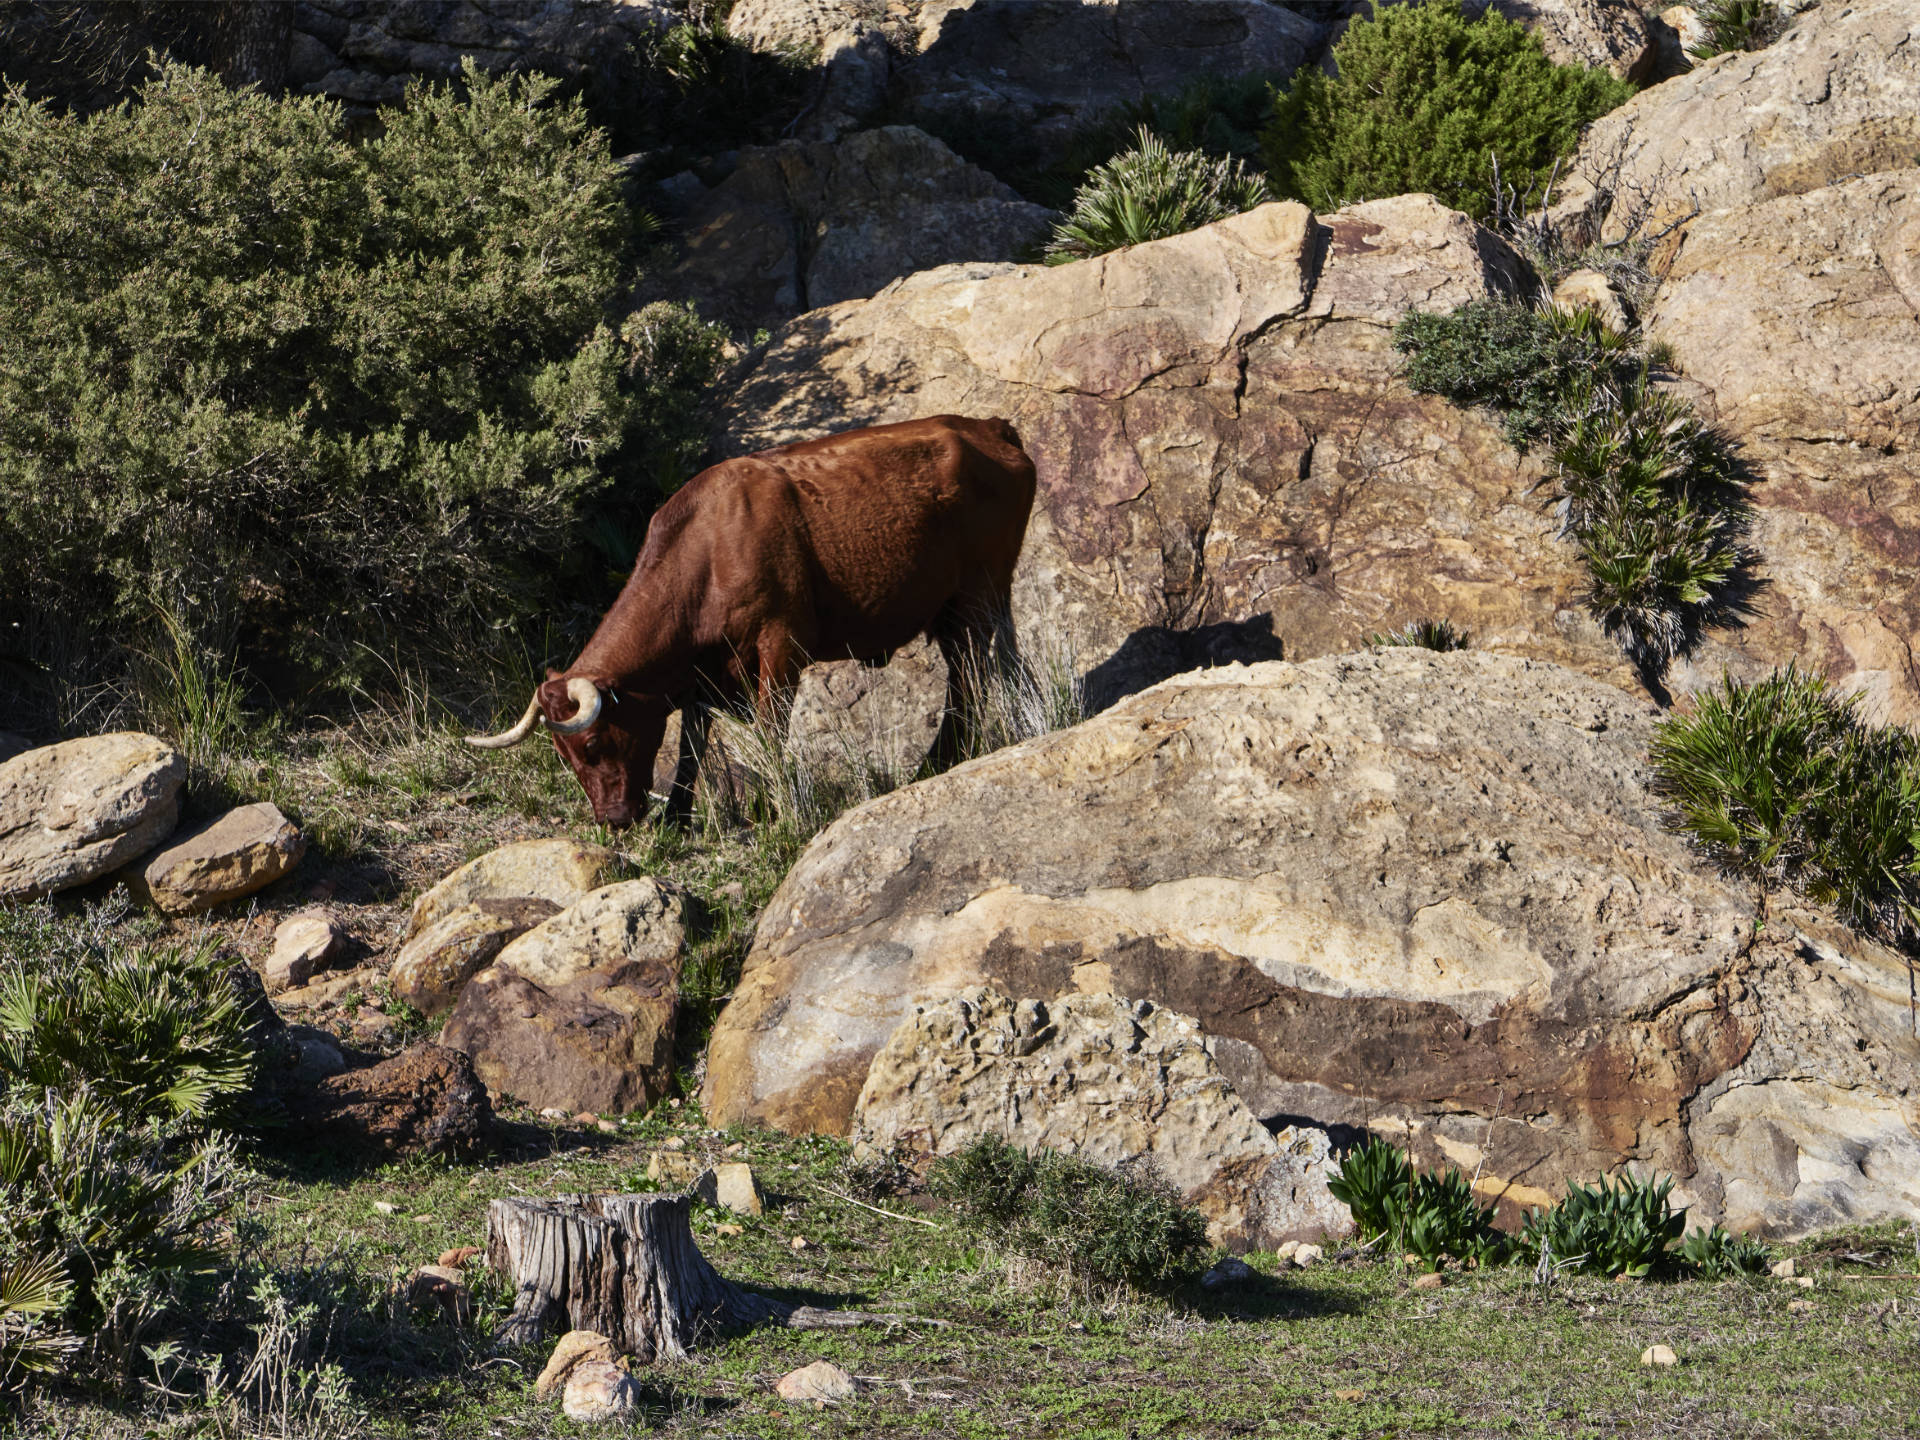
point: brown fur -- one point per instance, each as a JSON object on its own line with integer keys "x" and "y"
{"x": 840, "y": 548}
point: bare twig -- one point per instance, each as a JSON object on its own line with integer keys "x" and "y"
{"x": 890, "y": 1214}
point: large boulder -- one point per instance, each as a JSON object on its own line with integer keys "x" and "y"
{"x": 1838, "y": 95}
{"x": 434, "y": 966}
{"x": 579, "y": 1012}
{"x": 1797, "y": 322}
{"x": 1118, "y": 1082}
{"x": 557, "y": 871}
{"x": 231, "y": 856}
{"x": 797, "y": 226}
{"x": 1397, "y": 889}
{"x": 72, "y": 812}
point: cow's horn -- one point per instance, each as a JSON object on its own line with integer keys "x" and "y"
{"x": 587, "y": 701}
{"x": 522, "y": 728}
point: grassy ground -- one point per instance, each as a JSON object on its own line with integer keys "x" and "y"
{"x": 1347, "y": 1348}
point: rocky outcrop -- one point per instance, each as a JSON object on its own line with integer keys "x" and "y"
{"x": 229, "y": 857}
{"x": 1121, "y": 1083}
{"x": 557, "y": 871}
{"x": 423, "y": 1101}
{"x": 72, "y": 812}
{"x": 1838, "y": 95}
{"x": 797, "y": 226}
{"x": 1041, "y": 68}
{"x": 434, "y": 966}
{"x": 578, "y": 1013}
{"x": 1396, "y": 889}
{"x": 364, "y": 52}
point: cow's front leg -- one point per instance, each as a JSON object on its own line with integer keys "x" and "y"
{"x": 694, "y": 716}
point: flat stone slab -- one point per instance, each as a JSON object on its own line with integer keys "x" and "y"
{"x": 244, "y": 850}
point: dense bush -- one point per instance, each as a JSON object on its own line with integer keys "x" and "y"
{"x": 1422, "y": 100}
{"x": 1623, "y": 1227}
{"x": 1431, "y": 1215}
{"x": 1104, "y": 1224}
{"x": 1148, "y": 193}
{"x": 308, "y": 395}
{"x": 1781, "y": 780}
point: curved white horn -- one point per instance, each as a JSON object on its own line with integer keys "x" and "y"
{"x": 522, "y": 728}
{"x": 587, "y": 701}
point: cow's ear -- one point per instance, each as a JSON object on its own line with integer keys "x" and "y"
{"x": 553, "y": 674}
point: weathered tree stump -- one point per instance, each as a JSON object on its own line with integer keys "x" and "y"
{"x": 626, "y": 1266}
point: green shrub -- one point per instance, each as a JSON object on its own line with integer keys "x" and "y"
{"x": 1424, "y": 635}
{"x": 1504, "y": 354}
{"x": 1106, "y": 1224}
{"x": 1422, "y": 99}
{"x": 1782, "y": 781}
{"x": 306, "y": 395}
{"x": 1626, "y": 1227}
{"x": 1430, "y": 1215}
{"x": 1713, "y": 1254}
{"x": 1739, "y": 25}
{"x": 1148, "y": 193}
{"x": 33, "y": 1294}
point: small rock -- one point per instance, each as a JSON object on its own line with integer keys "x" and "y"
{"x": 421, "y": 1219}
{"x": 1287, "y": 1251}
{"x": 1624, "y": 1279}
{"x": 303, "y": 944}
{"x": 444, "y": 1286}
{"x": 1658, "y": 1355}
{"x": 586, "y": 1117}
{"x": 731, "y": 1187}
{"x": 1230, "y": 1271}
{"x": 1432, "y": 1280}
{"x": 673, "y": 1171}
{"x": 457, "y": 1257}
{"x": 1591, "y": 290}
{"x": 677, "y": 1142}
{"x": 599, "y": 1390}
{"x": 606, "y": 1127}
{"x": 1350, "y": 1396}
{"x": 1805, "y": 1282}
{"x": 822, "y": 1383}
{"x": 1308, "y": 1255}
{"x": 375, "y": 1030}
{"x": 799, "y": 1242}
{"x": 739, "y": 1147}
{"x": 245, "y": 850}
{"x": 729, "y": 1231}
{"x": 573, "y": 1347}
{"x": 1783, "y": 1269}
{"x": 553, "y": 1113}
{"x": 1799, "y": 1307}
{"x": 386, "y": 1207}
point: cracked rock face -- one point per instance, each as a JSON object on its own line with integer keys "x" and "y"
{"x": 1118, "y": 1082}
{"x": 1395, "y": 889}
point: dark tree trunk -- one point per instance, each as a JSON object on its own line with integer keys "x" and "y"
{"x": 626, "y": 1266}
{"x": 255, "y": 39}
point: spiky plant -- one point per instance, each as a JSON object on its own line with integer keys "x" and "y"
{"x": 1430, "y": 1214}
{"x": 1738, "y": 25}
{"x": 33, "y": 1293}
{"x": 1624, "y": 1227}
{"x": 1149, "y": 193}
{"x": 1654, "y": 510}
{"x": 1714, "y": 1254}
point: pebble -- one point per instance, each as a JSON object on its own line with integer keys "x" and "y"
{"x": 458, "y": 1256}
{"x": 599, "y": 1390}
{"x": 1430, "y": 1281}
{"x": 800, "y": 1242}
{"x": 1350, "y": 1396}
{"x": 1658, "y": 1355}
{"x": 1230, "y": 1271}
{"x": 1799, "y": 1307}
{"x": 386, "y": 1207}
{"x": 1784, "y": 1269}
{"x": 729, "y": 1232}
{"x": 1308, "y": 1255}
{"x": 822, "y": 1383}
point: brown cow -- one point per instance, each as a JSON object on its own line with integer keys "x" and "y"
{"x": 844, "y": 547}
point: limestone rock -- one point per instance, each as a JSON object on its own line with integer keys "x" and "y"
{"x": 673, "y": 1171}
{"x": 1837, "y": 95}
{"x": 847, "y": 714}
{"x": 822, "y": 1383}
{"x": 731, "y": 1187}
{"x": 1397, "y": 889}
{"x": 423, "y": 1101}
{"x": 433, "y": 967}
{"x": 569, "y": 1351}
{"x": 579, "y": 1012}
{"x": 558, "y": 871}
{"x": 1590, "y": 290}
{"x": 599, "y": 1390}
{"x": 801, "y": 225}
{"x": 303, "y": 944}
{"x": 72, "y": 812}
{"x": 1110, "y": 1080}
{"x": 242, "y": 851}
{"x": 1658, "y": 1355}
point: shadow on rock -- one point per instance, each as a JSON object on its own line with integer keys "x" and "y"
{"x": 1158, "y": 652}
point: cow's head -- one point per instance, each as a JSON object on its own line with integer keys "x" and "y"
{"x": 609, "y": 736}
